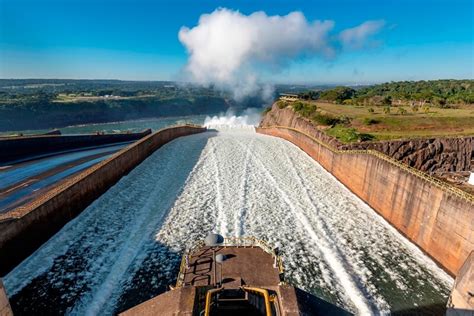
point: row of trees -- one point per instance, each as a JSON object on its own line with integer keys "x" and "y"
{"x": 440, "y": 93}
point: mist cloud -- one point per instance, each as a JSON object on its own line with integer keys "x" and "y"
{"x": 232, "y": 50}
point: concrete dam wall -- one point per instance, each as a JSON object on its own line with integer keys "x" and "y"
{"x": 26, "y": 228}
{"x": 434, "y": 215}
{"x": 20, "y": 147}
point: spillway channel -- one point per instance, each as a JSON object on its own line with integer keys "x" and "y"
{"x": 126, "y": 247}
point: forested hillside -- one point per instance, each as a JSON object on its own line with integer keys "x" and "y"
{"x": 38, "y": 103}
{"x": 442, "y": 93}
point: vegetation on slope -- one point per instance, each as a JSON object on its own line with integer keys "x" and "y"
{"x": 38, "y": 103}
{"x": 441, "y": 93}
{"x": 350, "y": 123}
{"x": 404, "y": 109}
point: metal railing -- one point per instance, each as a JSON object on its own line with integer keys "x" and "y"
{"x": 254, "y": 242}
{"x": 228, "y": 242}
{"x": 209, "y": 295}
{"x": 268, "y": 299}
{"x": 446, "y": 187}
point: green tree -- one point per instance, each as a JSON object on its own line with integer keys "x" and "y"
{"x": 387, "y": 100}
{"x": 402, "y": 111}
{"x": 338, "y": 94}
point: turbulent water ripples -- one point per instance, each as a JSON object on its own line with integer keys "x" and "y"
{"x": 126, "y": 246}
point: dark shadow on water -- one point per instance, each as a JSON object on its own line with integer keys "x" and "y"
{"x": 152, "y": 278}
{"x": 433, "y": 310}
{"x": 312, "y": 305}
{"x": 42, "y": 296}
{"x": 59, "y": 289}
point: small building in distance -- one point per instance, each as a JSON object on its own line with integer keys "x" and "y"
{"x": 289, "y": 97}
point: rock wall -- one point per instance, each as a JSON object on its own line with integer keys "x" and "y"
{"x": 432, "y": 155}
{"x": 27, "y": 227}
{"x": 20, "y": 147}
{"x": 5, "y": 308}
{"x": 434, "y": 215}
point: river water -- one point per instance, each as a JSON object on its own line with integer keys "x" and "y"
{"x": 126, "y": 247}
{"x": 112, "y": 127}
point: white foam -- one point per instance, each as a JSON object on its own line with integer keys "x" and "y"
{"x": 247, "y": 120}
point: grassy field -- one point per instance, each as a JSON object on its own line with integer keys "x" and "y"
{"x": 379, "y": 125}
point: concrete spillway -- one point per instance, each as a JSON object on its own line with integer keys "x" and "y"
{"x": 21, "y": 182}
{"x": 125, "y": 247}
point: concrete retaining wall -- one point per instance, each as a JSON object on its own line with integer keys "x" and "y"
{"x": 20, "y": 147}
{"x": 5, "y": 308}
{"x": 434, "y": 215}
{"x": 25, "y": 228}
{"x": 461, "y": 300}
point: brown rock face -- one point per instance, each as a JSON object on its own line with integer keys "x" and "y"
{"x": 431, "y": 155}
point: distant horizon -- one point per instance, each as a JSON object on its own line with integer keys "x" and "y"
{"x": 272, "y": 83}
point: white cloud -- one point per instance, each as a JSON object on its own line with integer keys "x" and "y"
{"x": 356, "y": 37}
{"x": 230, "y": 49}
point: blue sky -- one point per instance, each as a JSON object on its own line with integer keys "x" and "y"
{"x": 138, "y": 39}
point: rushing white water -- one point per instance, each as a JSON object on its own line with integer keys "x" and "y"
{"x": 126, "y": 246}
{"x": 246, "y": 120}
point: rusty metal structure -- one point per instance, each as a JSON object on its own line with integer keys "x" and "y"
{"x": 234, "y": 276}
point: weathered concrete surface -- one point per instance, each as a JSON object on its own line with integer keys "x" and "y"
{"x": 461, "y": 300}
{"x": 437, "y": 220}
{"x": 240, "y": 268}
{"x": 25, "y": 228}
{"x": 176, "y": 302}
{"x": 5, "y": 309}
{"x": 20, "y": 147}
{"x": 432, "y": 155}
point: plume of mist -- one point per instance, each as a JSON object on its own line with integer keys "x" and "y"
{"x": 230, "y": 50}
{"x": 248, "y": 118}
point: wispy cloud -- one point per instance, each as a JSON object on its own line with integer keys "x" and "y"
{"x": 357, "y": 37}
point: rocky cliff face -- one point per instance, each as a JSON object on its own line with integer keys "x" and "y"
{"x": 432, "y": 155}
